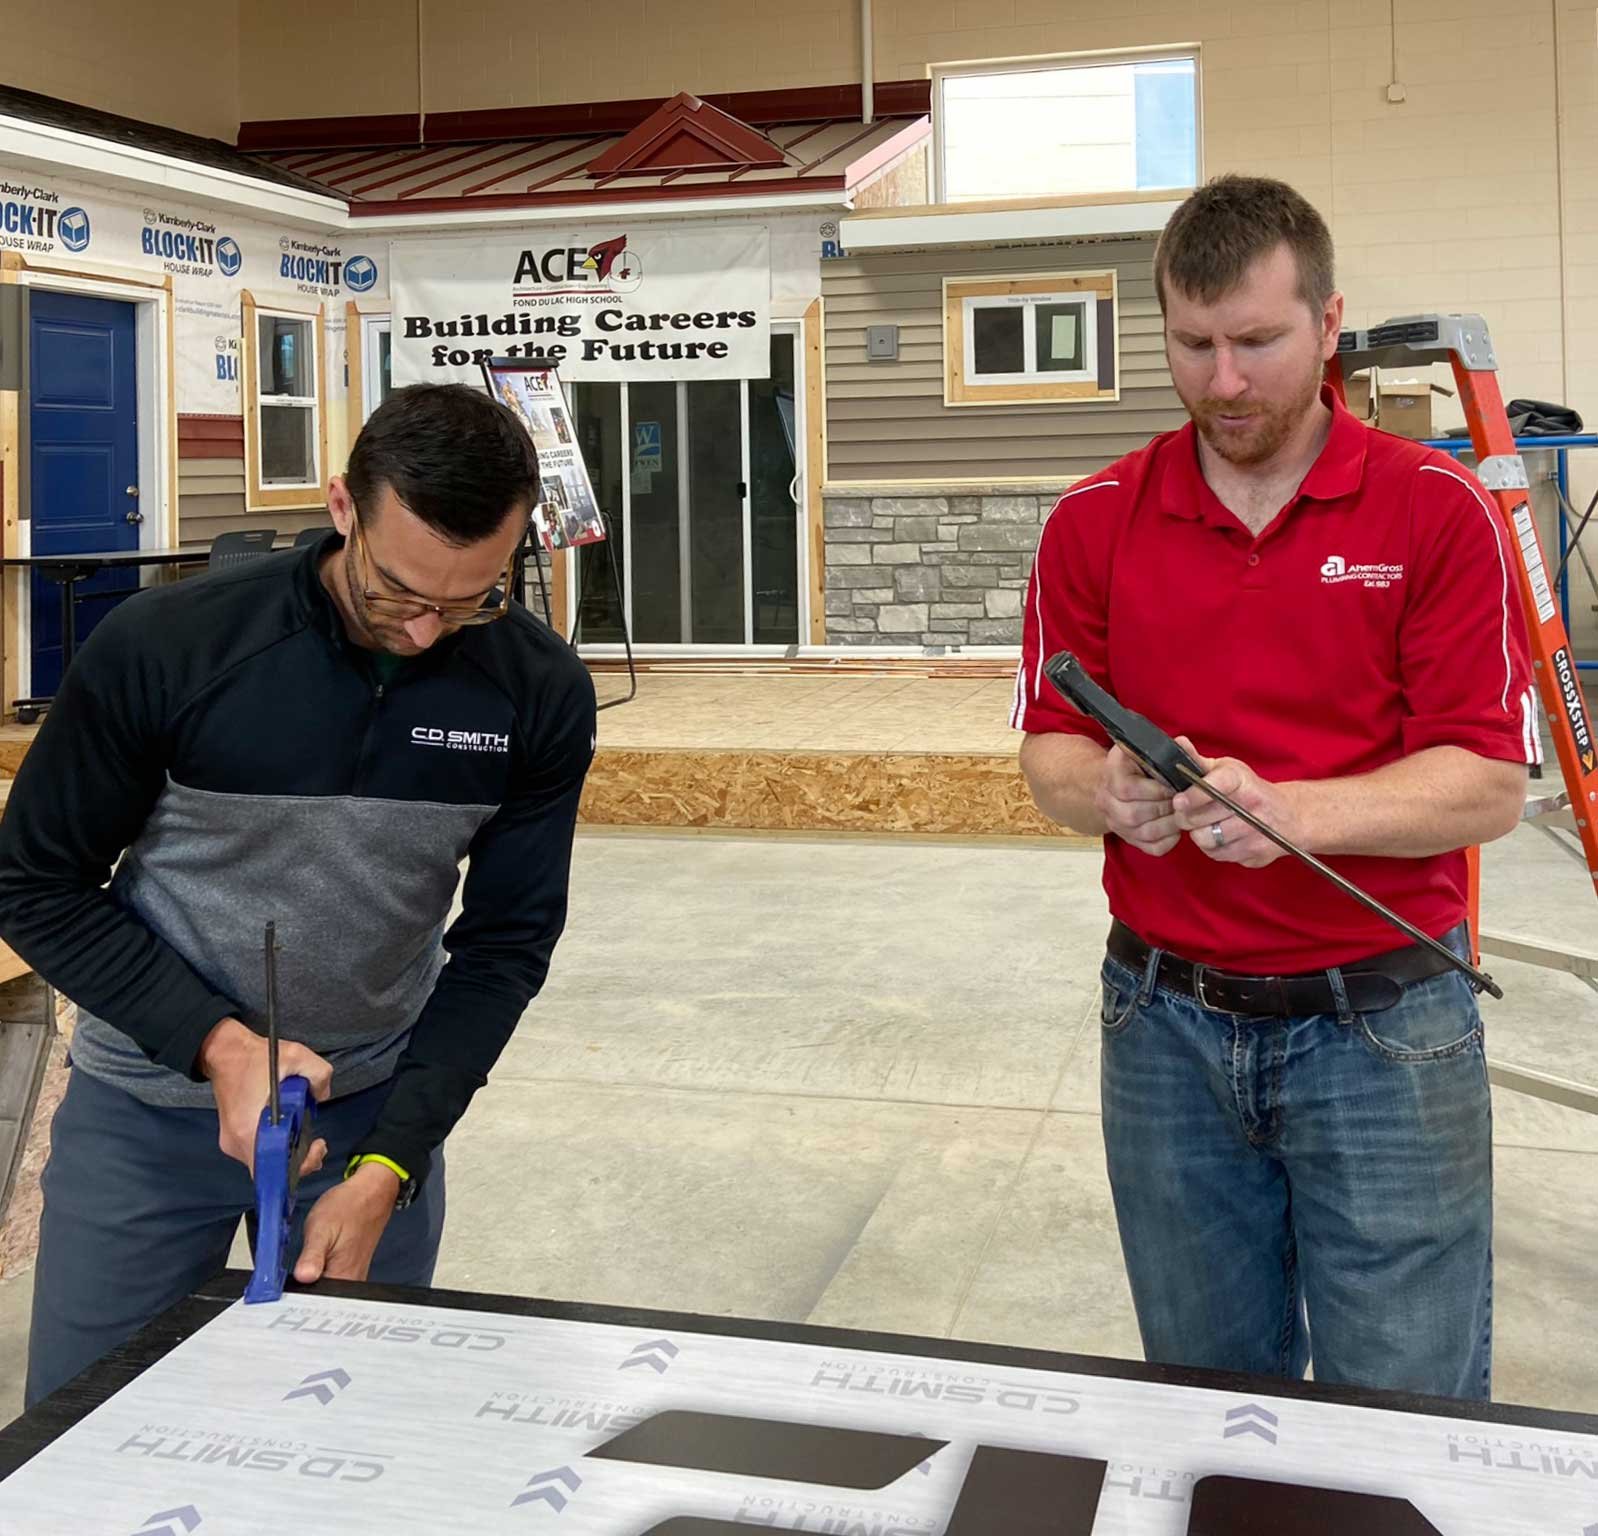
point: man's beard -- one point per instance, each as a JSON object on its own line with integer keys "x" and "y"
{"x": 1270, "y": 427}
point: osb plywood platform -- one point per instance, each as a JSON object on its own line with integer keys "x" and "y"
{"x": 949, "y": 794}
{"x": 862, "y": 752}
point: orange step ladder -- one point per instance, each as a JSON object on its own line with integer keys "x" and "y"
{"x": 1464, "y": 343}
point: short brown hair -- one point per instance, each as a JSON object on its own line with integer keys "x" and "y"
{"x": 1227, "y": 225}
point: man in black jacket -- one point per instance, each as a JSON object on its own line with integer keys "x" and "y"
{"x": 317, "y": 738}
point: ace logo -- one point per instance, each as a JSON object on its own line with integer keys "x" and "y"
{"x": 608, "y": 267}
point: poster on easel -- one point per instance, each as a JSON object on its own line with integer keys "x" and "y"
{"x": 567, "y": 515}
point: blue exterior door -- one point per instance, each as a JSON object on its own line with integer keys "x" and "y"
{"x": 83, "y": 457}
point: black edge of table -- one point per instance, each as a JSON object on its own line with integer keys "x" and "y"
{"x": 29, "y": 1434}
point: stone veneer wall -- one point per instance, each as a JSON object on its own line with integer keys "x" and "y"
{"x": 934, "y": 570}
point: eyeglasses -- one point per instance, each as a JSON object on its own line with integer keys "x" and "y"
{"x": 406, "y": 608}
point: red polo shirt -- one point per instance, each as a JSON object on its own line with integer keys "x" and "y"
{"x": 1376, "y": 616}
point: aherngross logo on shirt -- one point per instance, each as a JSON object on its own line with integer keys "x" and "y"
{"x": 459, "y": 741}
{"x": 1335, "y": 570}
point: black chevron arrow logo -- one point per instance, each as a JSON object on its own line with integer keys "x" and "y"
{"x": 1251, "y": 1419}
{"x": 172, "y": 1522}
{"x": 324, "y": 1386}
{"x": 543, "y": 1488}
{"x": 657, "y": 1354}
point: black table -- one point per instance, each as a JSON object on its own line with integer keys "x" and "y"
{"x": 67, "y": 571}
{"x": 867, "y": 1426}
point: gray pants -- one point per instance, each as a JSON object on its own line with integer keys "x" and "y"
{"x": 141, "y": 1206}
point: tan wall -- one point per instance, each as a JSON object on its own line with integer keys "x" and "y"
{"x": 1453, "y": 198}
{"x": 507, "y": 53}
{"x": 173, "y": 62}
{"x": 886, "y": 421}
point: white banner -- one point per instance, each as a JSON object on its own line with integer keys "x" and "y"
{"x": 212, "y": 256}
{"x": 660, "y": 303}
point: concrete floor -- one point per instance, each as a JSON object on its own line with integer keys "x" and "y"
{"x": 855, "y": 1082}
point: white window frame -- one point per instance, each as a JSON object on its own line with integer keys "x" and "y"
{"x": 798, "y": 489}
{"x": 373, "y": 327}
{"x": 312, "y": 403}
{"x": 1030, "y": 372}
{"x": 1090, "y": 60}
{"x": 964, "y": 388}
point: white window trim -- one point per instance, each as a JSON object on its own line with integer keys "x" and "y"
{"x": 1036, "y": 388}
{"x": 1086, "y": 60}
{"x": 1030, "y": 372}
{"x": 293, "y": 402}
{"x": 799, "y": 487}
{"x": 372, "y": 326}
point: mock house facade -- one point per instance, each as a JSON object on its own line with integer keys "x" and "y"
{"x": 815, "y": 410}
{"x": 980, "y": 360}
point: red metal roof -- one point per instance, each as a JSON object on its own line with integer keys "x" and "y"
{"x": 685, "y": 148}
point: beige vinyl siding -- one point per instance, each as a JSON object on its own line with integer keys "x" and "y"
{"x": 887, "y": 421}
{"x": 211, "y": 501}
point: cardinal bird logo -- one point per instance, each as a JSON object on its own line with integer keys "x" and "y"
{"x": 613, "y": 264}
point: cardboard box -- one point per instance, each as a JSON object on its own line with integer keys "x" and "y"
{"x": 1404, "y": 406}
{"x": 1357, "y": 394}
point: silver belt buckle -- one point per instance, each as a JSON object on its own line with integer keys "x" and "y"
{"x": 1199, "y": 973}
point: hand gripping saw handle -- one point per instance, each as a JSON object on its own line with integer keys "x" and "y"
{"x": 281, "y": 1141}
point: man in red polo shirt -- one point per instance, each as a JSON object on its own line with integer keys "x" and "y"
{"x": 1327, "y": 616}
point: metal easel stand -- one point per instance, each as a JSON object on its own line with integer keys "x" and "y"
{"x": 621, "y": 613}
{"x": 530, "y": 552}
{"x": 530, "y": 555}
{"x": 1465, "y": 345}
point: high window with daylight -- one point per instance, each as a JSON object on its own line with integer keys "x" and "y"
{"x": 1067, "y": 127}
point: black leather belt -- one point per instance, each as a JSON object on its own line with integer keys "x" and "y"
{"x": 1371, "y": 985}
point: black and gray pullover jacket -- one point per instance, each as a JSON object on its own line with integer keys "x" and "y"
{"x": 223, "y": 740}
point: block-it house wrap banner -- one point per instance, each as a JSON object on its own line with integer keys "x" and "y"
{"x": 609, "y": 303}
{"x": 211, "y": 255}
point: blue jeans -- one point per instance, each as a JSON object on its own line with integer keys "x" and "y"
{"x": 1334, "y": 1165}
{"x": 140, "y": 1208}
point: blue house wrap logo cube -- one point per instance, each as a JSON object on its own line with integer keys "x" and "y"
{"x": 229, "y": 258}
{"x": 360, "y": 273}
{"x": 73, "y": 226}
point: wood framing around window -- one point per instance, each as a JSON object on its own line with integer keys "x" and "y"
{"x": 815, "y": 451}
{"x": 1099, "y": 376}
{"x": 259, "y": 498}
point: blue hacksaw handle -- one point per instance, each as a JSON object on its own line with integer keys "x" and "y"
{"x": 279, "y": 1150}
